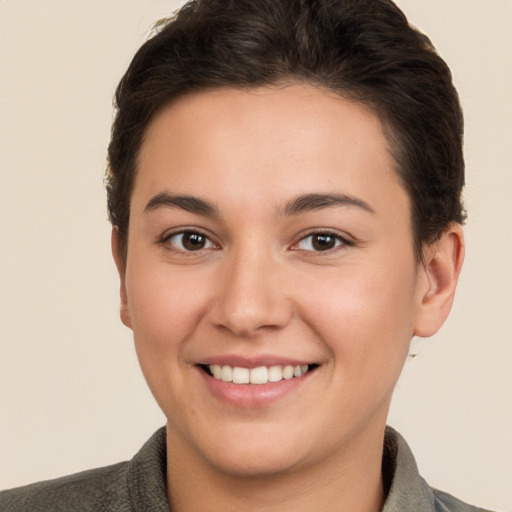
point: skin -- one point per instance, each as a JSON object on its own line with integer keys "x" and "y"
{"x": 260, "y": 287}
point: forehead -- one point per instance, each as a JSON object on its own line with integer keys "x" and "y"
{"x": 269, "y": 142}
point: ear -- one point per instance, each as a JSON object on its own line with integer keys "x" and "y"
{"x": 438, "y": 279}
{"x": 120, "y": 262}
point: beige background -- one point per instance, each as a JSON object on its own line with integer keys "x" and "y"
{"x": 71, "y": 394}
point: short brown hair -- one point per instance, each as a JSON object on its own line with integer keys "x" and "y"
{"x": 363, "y": 50}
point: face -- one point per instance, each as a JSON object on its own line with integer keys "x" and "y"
{"x": 270, "y": 243}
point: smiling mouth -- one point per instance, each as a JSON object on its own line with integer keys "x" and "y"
{"x": 259, "y": 375}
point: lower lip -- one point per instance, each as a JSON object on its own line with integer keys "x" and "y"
{"x": 252, "y": 395}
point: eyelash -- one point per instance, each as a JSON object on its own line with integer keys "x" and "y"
{"x": 338, "y": 240}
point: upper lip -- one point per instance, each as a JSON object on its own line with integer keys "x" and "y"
{"x": 253, "y": 362}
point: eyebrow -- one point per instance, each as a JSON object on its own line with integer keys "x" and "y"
{"x": 309, "y": 202}
{"x": 301, "y": 204}
{"x": 183, "y": 202}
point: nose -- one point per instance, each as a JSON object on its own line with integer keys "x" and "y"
{"x": 251, "y": 296}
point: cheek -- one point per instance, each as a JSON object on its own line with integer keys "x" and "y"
{"x": 365, "y": 316}
{"x": 163, "y": 304}
{"x": 165, "y": 308}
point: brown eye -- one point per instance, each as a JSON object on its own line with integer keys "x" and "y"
{"x": 190, "y": 241}
{"x": 320, "y": 242}
{"x": 323, "y": 242}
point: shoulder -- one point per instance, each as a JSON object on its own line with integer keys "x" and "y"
{"x": 97, "y": 489}
{"x": 407, "y": 489}
{"x": 139, "y": 484}
{"x": 445, "y": 502}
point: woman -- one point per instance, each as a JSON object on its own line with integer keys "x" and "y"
{"x": 285, "y": 191}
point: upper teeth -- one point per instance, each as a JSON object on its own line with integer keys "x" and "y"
{"x": 259, "y": 375}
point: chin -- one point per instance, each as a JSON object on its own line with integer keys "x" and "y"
{"x": 257, "y": 463}
{"x": 252, "y": 453}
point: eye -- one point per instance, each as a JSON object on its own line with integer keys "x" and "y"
{"x": 320, "y": 242}
{"x": 187, "y": 241}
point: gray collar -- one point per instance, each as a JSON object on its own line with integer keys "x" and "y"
{"x": 146, "y": 476}
{"x": 407, "y": 489}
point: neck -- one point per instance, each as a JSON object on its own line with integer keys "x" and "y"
{"x": 348, "y": 480}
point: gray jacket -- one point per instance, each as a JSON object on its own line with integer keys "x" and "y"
{"x": 140, "y": 485}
